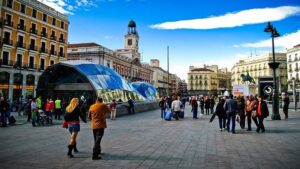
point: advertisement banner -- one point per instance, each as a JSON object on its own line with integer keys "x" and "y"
{"x": 240, "y": 90}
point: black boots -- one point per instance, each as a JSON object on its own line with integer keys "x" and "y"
{"x": 70, "y": 147}
{"x": 75, "y": 148}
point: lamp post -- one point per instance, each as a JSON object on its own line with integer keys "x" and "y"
{"x": 274, "y": 65}
{"x": 294, "y": 93}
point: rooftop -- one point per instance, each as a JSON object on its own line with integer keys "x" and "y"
{"x": 78, "y": 45}
{"x": 202, "y": 69}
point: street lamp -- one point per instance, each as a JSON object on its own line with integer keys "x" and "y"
{"x": 294, "y": 92}
{"x": 274, "y": 65}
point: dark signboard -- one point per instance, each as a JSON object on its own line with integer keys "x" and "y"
{"x": 266, "y": 87}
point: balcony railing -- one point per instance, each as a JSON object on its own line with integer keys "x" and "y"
{"x": 52, "y": 37}
{"x": 32, "y": 47}
{"x": 22, "y": 27}
{"x": 8, "y": 23}
{"x": 20, "y": 44}
{"x": 7, "y": 42}
{"x": 61, "y": 40}
{"x": 52, "y": 52}
{"x": 290, "y": 70}
{"x": 296, "y": 69}
{"x": 44, "y": 50}
{"x": 33, "y": 31}
{"x": 6, "y": 62}
{"x": 44, "y": 34}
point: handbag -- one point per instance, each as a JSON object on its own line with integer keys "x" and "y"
{"x": 65, "y": 124}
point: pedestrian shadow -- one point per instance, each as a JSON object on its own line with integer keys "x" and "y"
{"x": 282, "y": 131}
{"x": 108, "y": 156}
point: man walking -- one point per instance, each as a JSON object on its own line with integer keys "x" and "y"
{"x": 230, "y": 107}
{"x": 4, "y": 108}
{"x": 286, "y": 103}
{"x": 97, "y": 115}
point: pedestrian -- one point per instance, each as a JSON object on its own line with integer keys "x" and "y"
{"x": 202, "y": 105}
{"x": 169, "y": 102}
{"x": 39, "y": 102}
{"x": 113, "y": 107}
{"x": 163, "y": 105}
{"x": 49, "y": 108}
{"x": 230, "y": 106}
{"x": 131, "y": 106}
{"x": 58, "y": 107}
{"x": 97, "y": 115}
{"x": 72, "y": 119}
{"x": 207, "y": 105}
{"x": 212, "y": 104}
{"x": 4, "y": 109}
{"x": 262, "y": 112}
{"x": 241, "y": 111}
{"x": 220, "y": 112}
{"x": 286, "y": 102}
{"x": 249, "y": 110}
{"x": 29, "y": 110}
{"x": 194, "y": 105}
{"x": 176, "y": 107}
{"x": 34, "y": 112}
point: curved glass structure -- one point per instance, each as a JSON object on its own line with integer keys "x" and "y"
{"x": 146, "y": 90}
{"x": 76, "y": 78}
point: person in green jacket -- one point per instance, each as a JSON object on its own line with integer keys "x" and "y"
{"x": 57, "y": 108}
{"x": 39, "y": 102}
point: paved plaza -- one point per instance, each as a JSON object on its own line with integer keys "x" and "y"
{"x": 146, "y": 141}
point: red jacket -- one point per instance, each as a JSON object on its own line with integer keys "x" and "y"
{"x": 49, "y": 106}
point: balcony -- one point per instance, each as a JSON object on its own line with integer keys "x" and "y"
{"x": 290, "y": 70}
{"x": 33, "y": 31}
{"x": 32, "y": 47}
{"x": 30, "y": 65}
{"x": 7, "y": 42}
{"x": 44, "y": 50}
{"x": 22, "y": 27}
{"x": 52, "y": 37}
{"x": 20, "y": 45}
{"x": 6, "y": 62}
{"x": 52, "y": 52}
{"x": 44, "y": 34}
{"x": 296, "y": 69}
{"x": 296, "y": 59}
{"x": 61, "y": 54}
{"x": 8, "y": 23}
{"x": 61, "y": 40}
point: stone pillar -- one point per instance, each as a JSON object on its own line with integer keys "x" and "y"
{"x": 36, "y": 79}
{"x": 24, "y": 85}
{"x": 11, "y": 86}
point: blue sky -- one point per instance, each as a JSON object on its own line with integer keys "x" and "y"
{"x": 198, "y": 32}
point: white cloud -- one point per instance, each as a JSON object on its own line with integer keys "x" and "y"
{"x": 67, "y": 6}
{"x": 251, "y": 16}
{"x": 285, "y": 41}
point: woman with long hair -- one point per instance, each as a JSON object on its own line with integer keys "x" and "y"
{"x": 72, "y": 115}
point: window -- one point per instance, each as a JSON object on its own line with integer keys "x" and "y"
{"x": 23, "y": 8}
{"x": 20, "y": 41}
{"x": 34, "y": 13}
{"x": 129, "y": 42}
{"x": 61, "y": 51}
{"x": 31, "y": 62}
{"x": 44, "y": 32}
{"x": 45, "y": 17}
{"x": 19, "y": 60}
{"x": 52, "y": 49}
{"x": 32, "y": 44}
{"x": 54, "y": 21}
{"x": 62, "y": 25}
{"x": 6, "y": 39}
{"x": 8, "y": 20}
{"x": 51, "y": 62}
{"x": 53, "y": 34}
{"x": 5, "y": 56}
{"x": 33, "y": 28}
{"x": 42, "y": 66}
{"x": 43, "y": 47}
{"x": 9, "y": 3}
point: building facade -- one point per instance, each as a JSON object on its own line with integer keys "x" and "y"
{"x": 293, "y": 66}
{"x": 160, "y": 78}
{"x": 33, "y": 37}
{"x": 208, "y": 80}
{"x": 258, "y": 67}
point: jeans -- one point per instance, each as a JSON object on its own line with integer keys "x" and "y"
{"x": 231, "y": 116}
{"x": 202, "y": 109}
{"x": 260, "y": 124}
{"x": 33, "y": 120}
{"x": 207, "y": 111}
{"x": 131, "y": 110}
{"x": 242, "y": 121}
{"x": 163, "y": 112}
{"x": 113, "y": 114}
{"x": 195, "y": 112}
{"x": 222, "y": 121}
{"x": 249, "y": 119}
{"x": 98, "y": 134}
{"x": 3, "y": 119}
{"x": 57, "y": 113}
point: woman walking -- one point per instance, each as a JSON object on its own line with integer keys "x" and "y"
{"x": 221, "y": 113}
{"x": 194, "y": 105}
{"x": 113, "y": 107}
{"x": 207, "y": 105}
{"x": 262, "y": 112}
{"x": 72, "y": 119}
{"x": 163, "y": 105}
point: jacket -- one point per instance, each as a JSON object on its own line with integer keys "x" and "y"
{"x": 97, "y": 114}
{"x": 230, "y": 106}
{"x": 4, "y": 106}
{"x": 194, "y": 104}
{"x": 74, "y": 116}
{"x": 264, "y": 109}
{"x": 220, "y": 109}
{"x": 176, "y": 104}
